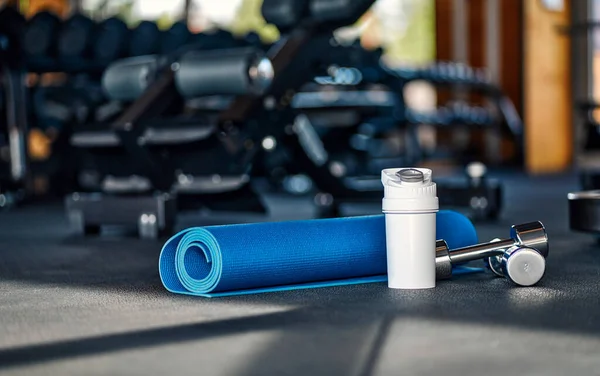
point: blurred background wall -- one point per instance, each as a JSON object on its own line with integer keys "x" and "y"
{"x": 516, "y": 40}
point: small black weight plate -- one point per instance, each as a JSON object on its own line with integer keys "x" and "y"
{"x": 584, "y": 211}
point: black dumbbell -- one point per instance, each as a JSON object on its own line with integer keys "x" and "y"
{"x": 176, "y": 37}
{"x": 465, "y": 116}
{"x": 462, "y": 72}
{"x": 482, "y": 116}
{"x": 214, "y": 40}
{"x": 450, "y": 73}
{"x": 41, "y": 34}
{"x": 145, "y": 39}
{"x": 76, "y": 38}
{"x": 112, "y": 41}
{"x": 460, "y": 111}
{"x": 435, "y": 71}
{"x": 444, "y": 116}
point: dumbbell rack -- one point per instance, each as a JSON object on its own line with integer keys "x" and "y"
{"x": 482, "y": 195}
{"x": 223, "y": 147}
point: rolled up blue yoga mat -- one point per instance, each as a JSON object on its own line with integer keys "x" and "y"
{"x": 274, "y": 256}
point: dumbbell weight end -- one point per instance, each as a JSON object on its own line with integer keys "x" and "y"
{"x": 522, "y": 265}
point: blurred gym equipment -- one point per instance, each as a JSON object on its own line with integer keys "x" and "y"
{"x": 40, "y": 42}
{"x": 584, "y": 211}
{"x": 76, "y": 43}
{"x": 350, "y": 125}
{"x": 173, "y": 39}
{"x": 167, "y": 159}
{"x": 145, "y": 39}
{"x": 112, "y": 41}
{"x": 165, "y": 148}
{"x": 586, "y": 107}
{"x": 13, "y": 118}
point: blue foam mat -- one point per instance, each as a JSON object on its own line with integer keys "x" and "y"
{"x": 241, "y": 259}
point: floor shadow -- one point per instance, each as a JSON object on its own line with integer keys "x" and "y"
{"x": 34, "y": 354}
{"x": 137, "y": 339}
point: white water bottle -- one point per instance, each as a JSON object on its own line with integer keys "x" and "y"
{"x": 410, "y": 205}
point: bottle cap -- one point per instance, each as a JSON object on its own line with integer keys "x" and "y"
{"x": 408, "y": 190}
{"x": 411, "y": 175}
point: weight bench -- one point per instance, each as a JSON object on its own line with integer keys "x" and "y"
{"x": 263, "y": 88}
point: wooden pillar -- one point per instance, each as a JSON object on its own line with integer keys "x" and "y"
{"x": 445, "y": 50}
{"x": 547, "y": 94}
{"x": 511, "y": 51}
{"x": 476, "y": 30}
{"x": 484, "y": 19}
{"x": 443, "y": 29}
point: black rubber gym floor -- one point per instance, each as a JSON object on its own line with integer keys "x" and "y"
{"x": 70, "y": 306}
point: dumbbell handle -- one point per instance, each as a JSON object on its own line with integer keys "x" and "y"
{"x": 480, "y": 251}
{"x": 445, "y": 258}
{"x": 532, "y": 234}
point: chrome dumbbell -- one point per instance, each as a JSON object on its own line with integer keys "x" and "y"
{"x": 520, "y": 259}
{"x": 532, "y": 235}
